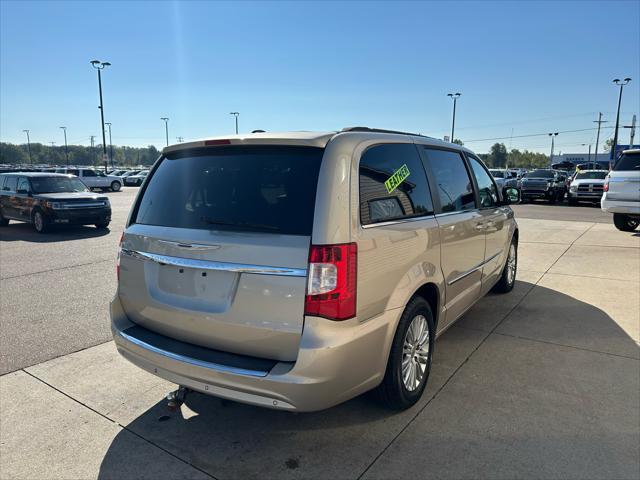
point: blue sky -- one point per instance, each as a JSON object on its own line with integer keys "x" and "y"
{"x": 522, "y": 68}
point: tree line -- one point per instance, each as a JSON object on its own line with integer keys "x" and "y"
{"x": 78, "y": 154}
{"x": 498, "y": 156}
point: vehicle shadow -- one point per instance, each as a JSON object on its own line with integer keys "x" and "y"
{"x": 231, "y": 440}
{"x": 24, "y": 232}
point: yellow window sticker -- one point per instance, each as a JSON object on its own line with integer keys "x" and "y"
{"x": 397, "y": 178}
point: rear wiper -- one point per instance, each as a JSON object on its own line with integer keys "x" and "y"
{"x": 262, "y": 226}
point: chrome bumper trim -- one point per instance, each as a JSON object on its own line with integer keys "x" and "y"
{"x": 190, "y": 360}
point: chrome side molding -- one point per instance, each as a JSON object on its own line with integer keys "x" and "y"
{"x": 217, "y": 266}
{"x": 474, "y": 269}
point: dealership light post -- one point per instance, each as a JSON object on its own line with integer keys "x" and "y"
{"x": 584, "y": 145}
{"x": 235, "y": 114}
{"x": 553, "y": 136}
{"x": 455, "y": 97}
{"x": 614, "y": 147}
{"x": 110, "y": 144}
{"x": 166, "y": 128}
{"x": 28, "y": 145}
{"x": 99, "y": 66}
{"x": 66, "y": 151}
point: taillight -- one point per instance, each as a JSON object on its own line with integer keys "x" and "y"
{"x": 606, "y": 185}
{"x": 118, "y": 260}
{"x": 210, "y": 143}
{"x": 331, "y": 287}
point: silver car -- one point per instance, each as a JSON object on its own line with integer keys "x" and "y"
{"x": 298, "y": 270}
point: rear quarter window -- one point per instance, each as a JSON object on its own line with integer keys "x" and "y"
{"x": 249, "y": 188}
{"x": 393, "y": 184}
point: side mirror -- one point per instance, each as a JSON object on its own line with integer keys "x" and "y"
{"x": 510, "y": 195}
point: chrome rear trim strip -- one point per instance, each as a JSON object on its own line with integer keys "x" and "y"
{"x": 191, "y": 360}
{"x": 218, "y": 266}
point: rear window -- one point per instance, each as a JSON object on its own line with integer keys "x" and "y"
{"x": 254, "y": 188}
{"x": 628, "y": 161}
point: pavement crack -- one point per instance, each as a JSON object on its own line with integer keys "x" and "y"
{"x": 124, "y": 427}
{"x": 59, "y": 268}
{"x": 520, "y": 337}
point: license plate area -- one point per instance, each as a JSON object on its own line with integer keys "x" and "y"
{"x": 209, "y": 291}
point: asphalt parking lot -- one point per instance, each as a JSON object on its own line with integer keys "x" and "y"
{"x": 541, "y": 383}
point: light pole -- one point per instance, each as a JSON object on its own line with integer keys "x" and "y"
{"x": 28, "y": 145}
{"x": 166, "y": 128}
{"x": 110, "y": 144}
{"x": 455, "y": 97}
{"x": 235, "y": 114}
{"x": 553, "y": 136}
{"x": 98, "y": 65}
{"x": 614, "y": 147}
{"x": 66, "y": 151}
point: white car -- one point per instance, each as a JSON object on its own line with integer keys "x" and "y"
{"x": 504, "y": 178}
{"x": 135, "y": 180}
{"x": 622, "y": 191}
{"x": 94, "y": 178}
{"x": 587, "y": 186}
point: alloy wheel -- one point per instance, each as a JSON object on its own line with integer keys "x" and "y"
{"x": 415, "y": 353}
{"x": 511, "y": 264}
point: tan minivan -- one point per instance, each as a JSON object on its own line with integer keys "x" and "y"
{"x": 298, "y": 270}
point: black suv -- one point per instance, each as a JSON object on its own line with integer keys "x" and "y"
{"x": 545, "y": 184}
{"x": 45, "y": 199}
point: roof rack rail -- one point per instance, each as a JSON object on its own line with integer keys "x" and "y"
{"x": 379, "y": 130}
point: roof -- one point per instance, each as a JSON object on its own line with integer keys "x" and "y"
{"x": 594, "y": 170}
{"x": 302, "y": 138}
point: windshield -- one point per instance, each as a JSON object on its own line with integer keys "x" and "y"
{"x": 591, "y": 175}
{"x": 628, "y": 162}
{"x": 541, "y": 174}
{"x": 497, "y": 173}
{"x": 258, "y": 188}
{"x": 57, "y": 185}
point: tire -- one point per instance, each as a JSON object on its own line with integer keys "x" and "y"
{"x": 116, "y": 186}
{"x": 624, "y": 222}
{"x": 102, "y": 225}
{"x": 552, "y": 199}
{"x": 39, "y": 222}
{"x": 508, "y": 277}
{"x": 572, "y": 202}
{"x": 393, "y": 392}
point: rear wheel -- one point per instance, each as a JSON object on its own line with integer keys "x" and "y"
{"x": 625, "y": 223}
{"x": 572, "y": 202}
{"x": 508, "y": 277}
{"x": 39, "y": 222}
{"x": 409, "y": 361}
{"x": 115, "y": 186}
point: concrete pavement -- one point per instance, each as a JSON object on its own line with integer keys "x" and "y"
{"x": 541, "y": 383}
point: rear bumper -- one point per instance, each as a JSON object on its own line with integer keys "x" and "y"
{"x": 336, "y": 361}
{"x": 617, "y": 206}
